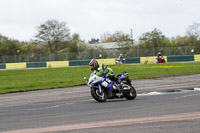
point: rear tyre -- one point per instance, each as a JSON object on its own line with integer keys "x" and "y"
{"x": 131, "y": 94}
{"x": 99, "y": 96}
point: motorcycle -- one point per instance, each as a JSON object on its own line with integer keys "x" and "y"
{"x": 160, "y": 60}
{"x": 101, "y": 93}
{"x": 120, "y": 61}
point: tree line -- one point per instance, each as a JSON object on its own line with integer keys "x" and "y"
{"x": 54, "y": 38}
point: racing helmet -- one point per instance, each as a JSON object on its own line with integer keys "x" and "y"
{"x": 159, "y": 53}
{"x": 93, "y": 64}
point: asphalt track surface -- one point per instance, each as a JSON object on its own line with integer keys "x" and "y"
{"x": 73, "y": 110}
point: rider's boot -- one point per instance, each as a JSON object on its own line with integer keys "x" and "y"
{"x": 120, "y": 87}
{"x": 115, "y": 88}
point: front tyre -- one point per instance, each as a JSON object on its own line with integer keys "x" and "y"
{"x": 100, "y": 97}
{"x": 130, "y": 95}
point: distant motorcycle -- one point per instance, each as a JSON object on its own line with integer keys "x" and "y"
{"x": 100, "y": 93}
{"x": 120, "y": 61}
{"x": 160, "y": 60}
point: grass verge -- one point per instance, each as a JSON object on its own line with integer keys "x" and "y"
{"x": 36, "y": 79}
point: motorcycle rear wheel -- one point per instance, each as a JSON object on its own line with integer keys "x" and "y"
{"x": 131, "y": 94}
{"x": 99, "y": 96}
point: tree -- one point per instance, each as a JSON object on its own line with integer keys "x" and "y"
{"x": 106, "y": 37}
{"x": 76, "y": 37}
{"x": 93, "y": 41}
{"x": 9, "y": 46}
{"x": 118, "y": 36}
{"x": 124, "y": 41}
{"x": 194, "y": 31}
{"x": 155, "y": 40}
{"x": 53, "y": 33}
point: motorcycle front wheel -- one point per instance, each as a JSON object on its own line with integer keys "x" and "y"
{"x": 130, "y": 95}
{"x": 99, "y": 96}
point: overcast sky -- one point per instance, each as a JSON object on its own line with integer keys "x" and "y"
{"x": 92, "y": 18}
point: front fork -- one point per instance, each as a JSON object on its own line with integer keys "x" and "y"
{"x": 100, "y": 89}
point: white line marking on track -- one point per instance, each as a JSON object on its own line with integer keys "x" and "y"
{"x": 197, "y": 89}
{"x": 151, "y": 93}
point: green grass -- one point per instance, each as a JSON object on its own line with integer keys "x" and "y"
{"x": 35, "y": 79}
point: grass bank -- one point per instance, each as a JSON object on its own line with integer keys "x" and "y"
{"x": 35, "y": 79}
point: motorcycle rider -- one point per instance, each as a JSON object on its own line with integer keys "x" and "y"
{"x": 121, "y": 58}
{"x": 101, "y": 70}
{"x": 158, "y": 56}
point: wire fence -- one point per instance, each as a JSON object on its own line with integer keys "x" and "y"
{"x": 99, "y": 53}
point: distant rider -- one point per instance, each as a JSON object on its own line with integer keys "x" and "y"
{"x": 159, "y": 56}
{"x": 121, "y": 58}
{"x": 102, "y": 70}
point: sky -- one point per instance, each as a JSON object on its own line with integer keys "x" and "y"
{"x": 19, "y": 19}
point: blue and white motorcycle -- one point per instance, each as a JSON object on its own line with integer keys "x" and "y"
{"x": 101, "y": 93}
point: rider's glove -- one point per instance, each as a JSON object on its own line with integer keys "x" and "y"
{"x": 106, "y": 71}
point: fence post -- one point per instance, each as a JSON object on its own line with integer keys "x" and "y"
{"x": 40, "y": 57}
{"x": 153, "y": 51}
{"x": 138, "y": 51}
{"x": 93, "y": 55}
{"x": 15, "y": 58}
{"x": 4, "y": 60}
{"x": 27, "y": 57}
{"x": 66, "y": 55}
{"x": 185, "y": 50}
{"x": 53, "y": 57}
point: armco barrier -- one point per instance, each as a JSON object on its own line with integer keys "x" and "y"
{"x": 2, "y": 66}
{"x": 180, "y": 58}
{"x": 151, "y": 59}
{"x": 129, "y": 60}
{"x": 106, "y": 61}
{"x": 79, "y": 62}
{"x": 58, "y": 64}
{"x": 15, "y": 65}
{"x": 197, "y": 57}
{"x": 132, "y": 60}
{"x": 36, "y": 64}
